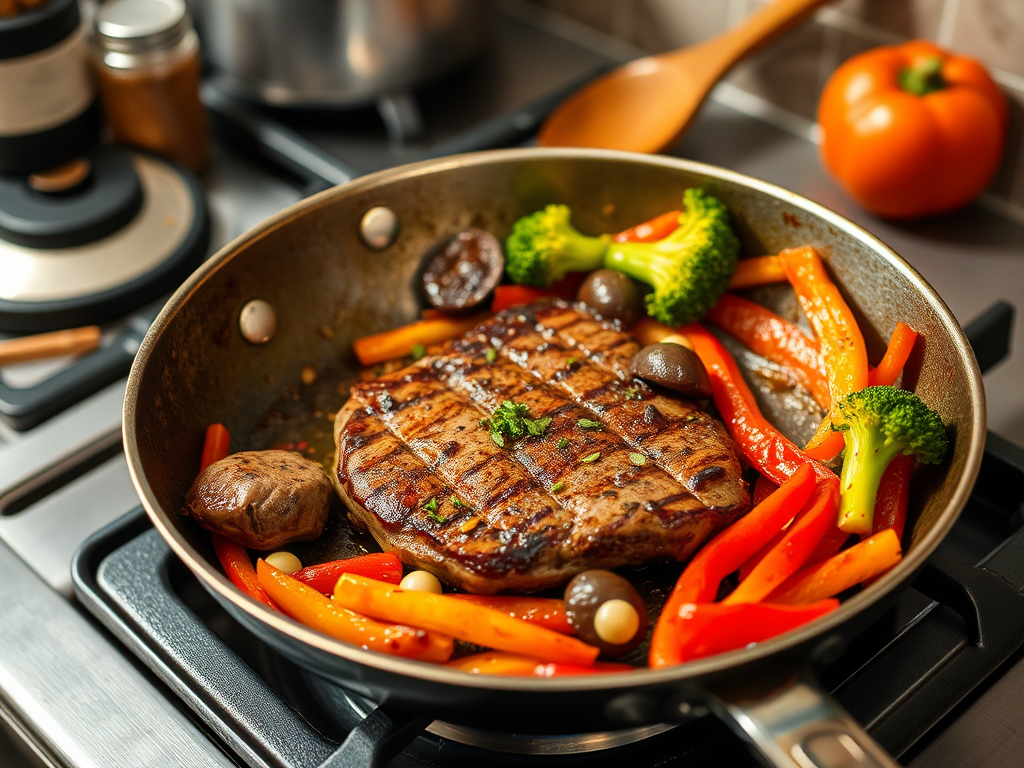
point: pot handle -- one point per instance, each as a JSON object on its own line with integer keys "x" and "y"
{"x": 800, "y": 726}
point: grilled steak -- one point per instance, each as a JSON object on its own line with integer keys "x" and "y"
{"x": 644, "y": 476}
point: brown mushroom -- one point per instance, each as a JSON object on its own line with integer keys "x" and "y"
{"x": 464, "y": 270}
{"x": 261, "y": 499}
{"x": 606, "y": 610}
{"x": 672, "y": 366}
{"x": 612, "y": 295}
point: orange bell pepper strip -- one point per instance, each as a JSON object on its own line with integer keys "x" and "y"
{"x": 777, "y": 339}
{"x": 704, "y": 629}
{"x": 509, "y": 664}
{"x": 475, "y": 623}
{"x": 233, "y": 558}
{"x": 652, "y": 230}
{"x": 760, "y": 270}
{"x": 793, "y": 549}
{"x": 382, "y": 566}
{"x": 727, "y": 552}
{"x": 767, "y": 449}
{"x": 911, "y": 130}
{"x": 901, "y": 344}
{"x": 862, "y": 561}
{"x": 893, "y": 496}
{"x": 543, "y": 611}
{"x": 316, "y": 611}
{"x": 399, "y": 342}
{"x": 839, "y": 337}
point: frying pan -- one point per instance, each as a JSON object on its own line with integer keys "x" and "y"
{"x": 327, "y": 287}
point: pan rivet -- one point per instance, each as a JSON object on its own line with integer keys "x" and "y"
{"x": 257, "y": 322}
{"x": 379, "y": 228}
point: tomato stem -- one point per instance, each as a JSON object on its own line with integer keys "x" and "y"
{"x": 923, "y": 76}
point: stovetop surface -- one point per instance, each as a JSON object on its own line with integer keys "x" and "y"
{"x": 66, "y": 478}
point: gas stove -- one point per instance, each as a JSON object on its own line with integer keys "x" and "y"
{"x": 126, "y": 661}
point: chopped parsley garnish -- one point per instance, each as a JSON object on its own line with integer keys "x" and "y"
{"x": 570, "y": 361}
{"x": 691, "y": 417}
{"x": 431, "y": 506}
{"x": 563, "y": 443}
{"x": 491, "y": 355}
{"x": 588, "y": 424}
{"x": 458, "y": 503}
{"x": 436, "y": 517}
{"x": 633, "y": 393}
{"x": 418, "y": 352}
{"x": 511, "y": 421}
{"x": 637, "y": 459}
{"x": 591, "y": 458}
{"x": 558, "y": 487}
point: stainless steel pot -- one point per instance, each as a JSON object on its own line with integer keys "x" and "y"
{"x": 311, "y": 265}
{"x": 325, "y": 53}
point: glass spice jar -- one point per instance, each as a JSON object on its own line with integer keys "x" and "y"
{"x": 147, "y": 63}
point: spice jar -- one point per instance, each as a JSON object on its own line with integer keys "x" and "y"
{"x": 48, "y": 109}
{"x": 148, "y": 71}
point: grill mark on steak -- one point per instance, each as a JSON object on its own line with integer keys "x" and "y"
{"x": 606, "y": 513}
{"x": 672, "y": 431}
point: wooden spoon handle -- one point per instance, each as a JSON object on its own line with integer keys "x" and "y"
{"x": 764, "y": 25}
{"x": 69, "y": 342}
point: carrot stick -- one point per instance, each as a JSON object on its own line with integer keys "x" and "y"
{"x": 793, "y": 549}
{"x": 850, "y": 567}
{"x": 543, "y": 611}
{"x": 509, "y": 664}
{"x": 319, "y": 612}
{"x": 775, "y": 338}
{"x": 840, "y": 339}
{"x": 216, "y": 446}
{"x": 759, "y": 270}
{"x": 901, "y": 344}
{"x": 475, "y": 623}
{"x": 650, "y": 231}
{"x": 399, "y": 342}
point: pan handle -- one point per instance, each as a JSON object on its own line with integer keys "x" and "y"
{"x": 800, "y": 726}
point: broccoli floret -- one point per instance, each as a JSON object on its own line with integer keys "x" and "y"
{"x": 690, "y": 268}
{"x": 544, "y": 246}
{"x": 879, "y": 424}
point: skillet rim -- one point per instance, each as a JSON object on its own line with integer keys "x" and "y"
{"x": 434, "y": 673}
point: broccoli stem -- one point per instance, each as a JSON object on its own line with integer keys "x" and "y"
{"x": 580, "y": 254}
{"x": 640, "y": 261}
{"x": 868, "y": 453}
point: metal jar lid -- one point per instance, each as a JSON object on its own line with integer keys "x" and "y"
{"x": 141, "y": 26}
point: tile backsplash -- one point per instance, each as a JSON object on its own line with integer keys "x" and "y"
{"x": 791, "y": 72}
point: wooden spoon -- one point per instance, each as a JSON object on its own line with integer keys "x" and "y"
{"x": 647, "y": 104}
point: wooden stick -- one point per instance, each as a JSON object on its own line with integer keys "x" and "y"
{"x": 72, "y": 341}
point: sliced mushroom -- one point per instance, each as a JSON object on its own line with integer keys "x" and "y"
{"x": 261, "y": 499}
{"x": 672, "y": 366}
{"x": 464, "y": 270}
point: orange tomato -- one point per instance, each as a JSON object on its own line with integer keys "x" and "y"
{"x": 911, "y": 130}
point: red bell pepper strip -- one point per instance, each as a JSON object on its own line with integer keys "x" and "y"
{"x": 766, "y": 448}
{"x": 856, "y": 565}
{"x": 777, "y": 339}
{"x": 839, "y": 337}
{"x": 893, "y": 496}
{"x": 234, "y": 558}
{"x": 763, "y": 488}
{"x": 832, "y": 542}
{"x": 704, "y": 629}
{"x": 509, "y": 664}
{"x": 216, "y": 446}
{"x": 727, "y": 552}
{"x": 760, "y": 270}
{"x": 382, "y": 566}
{"x": 793, "y": 549}
{"x": 901, "y": 344}
{"x": 545, "y": 611}
{"x": 650, "y": 231}
{"x": 506, "y": 296}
